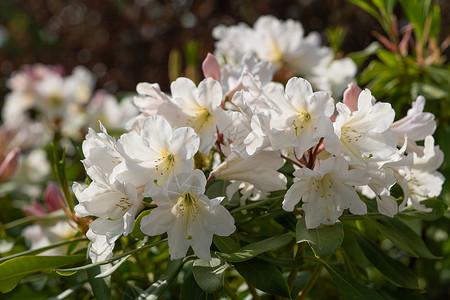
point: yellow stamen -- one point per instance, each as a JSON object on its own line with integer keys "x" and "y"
{"x": 302, "y": 118}
{"x": 168, "y": 161}
{"x": 326, "y": 199}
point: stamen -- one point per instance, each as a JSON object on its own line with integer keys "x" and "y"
{"x": 300, "y": 121}
{"x": 167, "y": 163}
{"x": 326, "y": 199}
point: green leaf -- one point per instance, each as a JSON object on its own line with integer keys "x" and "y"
{"x": 360, "y": 56}
{"x": 137, "y": 233}
{"x": 283, "y": 262}
{"x": 99, "y": 286}
{"x": 39, "y": 250}
{"x": 429, "y": 91}
{"x": 173, "y": 266}
{"x": 209, "y": 274}
{"x": 351, "y": 288}
{"x": 366, "y": 6}
{"x": 13, "y": 270}
{"x": 107, "y": 261}
{"x": 395, "y": 271}
{"x": 403, "y": 237}
{"x": 191, "y": 290}
{"x": 225, "y": 244}
{"x": 264, "y": 276}
{"x": 324, "y": 240}
{"x": 439, "y": 208}
{"x": 251, "y": 250}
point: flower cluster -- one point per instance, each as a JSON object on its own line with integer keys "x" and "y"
{"x": 284, "y": 44}
{"x": 239, "y": 126}
{"x": 43, "y": 102}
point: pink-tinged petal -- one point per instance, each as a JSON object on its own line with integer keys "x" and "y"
{"x": 35, "y": 209}
{"x": 51, "y": 195}
{"x": 9, "y": 165}
{"x": 211, "y": 67}
{"x": 351, "y": 95}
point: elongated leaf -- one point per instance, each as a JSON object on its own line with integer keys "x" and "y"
{"x": 439, "y": 208}
{"x": 59, "y": 214}
{"x": 225, "y": 244}
{"x": 283, "y": 262}
{"x": 324, "y": 240}
{"x": 403, "y": 237}
{"x": 13, "y": 270}
{"x": 251, "y": 250}
{"x": 99, "y": 286}
{"x": 158, "y": 288}
{"x": 395, "y": 271}
{"x": 209, "y": 274}
{"x": 351, "y": 288}
{"x": 107, "y": 261}
{"x": 113, "y": 268}
{"x": 264, "y": 276}
{"x": 39, "y": 250}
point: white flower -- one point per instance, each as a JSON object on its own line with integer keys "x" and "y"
{"x": 157, "y": 153}
{"x": 188, "y": 216}
{"x": 333, "y": 76}
{"x": 363, "y": 135}
{"x": 260, "y": 170}
{"x": 100, "y": 248}
{"x": 100, "y": 149}
{"x": 48, "y": 233}
{"x": 201, "y": 106}
{"x": 326, "y": 192}
{"x": 422, "y": 181}
{"x": 300, "y": 117}
{"x": 228, "y": 38}
{"x": 115, "y": 204}
{"x": 283, "y": 41}
{"x": 416, "y": 124}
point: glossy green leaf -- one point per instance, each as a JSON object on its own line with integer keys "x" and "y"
{"x": 225, "y": 244}
{"x": 393, "y": 270}
{"x": 157, "y": 289}
{"x": 264, "y": 276}
{"x": 209, "y": 274}
{"x": 403, "y": 237}
{"x": 13, "y": 270}
{"x": 438, "y": 209}
{"x": 351, "y": 288}
{"x": 251, "y": 250}
{"x": 360, "y": 56}
{"x": 324, "y": 240}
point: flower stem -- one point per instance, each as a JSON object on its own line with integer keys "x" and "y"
{"x": 309, "y": 285}
{"x": 229, "y": 291}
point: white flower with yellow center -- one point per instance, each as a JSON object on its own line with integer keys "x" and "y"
{"x": 327, "y": 191}
{"x": 363, "y": 135}
{"x": 188, "y": 216}
{"x": 300, "y": 116}
{"x": 157, "y": 153}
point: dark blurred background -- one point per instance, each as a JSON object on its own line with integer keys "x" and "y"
{"x": 124, "y": 42}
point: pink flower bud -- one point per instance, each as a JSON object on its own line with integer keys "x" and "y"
{"x": 35, "y": 209}
{"x": 51, "y": 195}
{"x": 9, "y": 165}
{"x": 211, "y": 68}
{"x": 351, "y": 95}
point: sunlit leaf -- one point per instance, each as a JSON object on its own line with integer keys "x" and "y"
{"x": 251, "y": 250}
{"x": 13, "y": 270}
{"x": 209, "y": 274}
